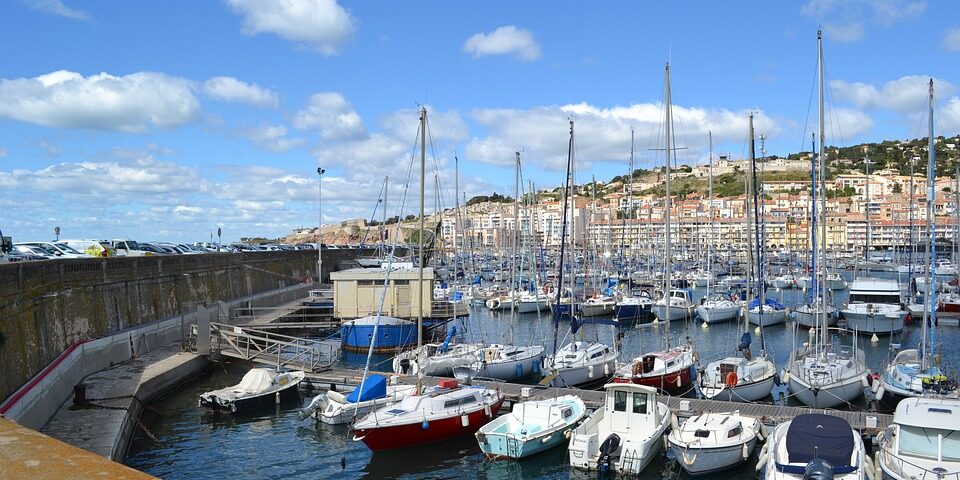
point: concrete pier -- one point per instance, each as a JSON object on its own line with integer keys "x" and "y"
{"x": 26, "y": 453}
{"x": 116, "y": 397}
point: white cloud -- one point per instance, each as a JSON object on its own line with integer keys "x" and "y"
{"x": 602, "y": 134}
{"x": 57, "y": 7}
{"x": 844, "y": 33}
{"x": 271, "y": 137}
{"x": 843, "y": 20}
{"x": 508, "y": 40}
{"x": 129, "y": 103}
{"x": 331, "y": 115}
{"x": 232, "y": 90}
{"x": 951, "y": 40}
{"x": 846, "y": 123}
{"x": 403, "y": 125}
{"x": 905, "y": 95}
{"x": 322, "y": 25}
{"x": 377, "y": 154}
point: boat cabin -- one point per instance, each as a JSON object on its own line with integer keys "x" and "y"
{"x": 629, "y": 407}
{"x": 928, "y": 429}
{"x": 875, "y": 290}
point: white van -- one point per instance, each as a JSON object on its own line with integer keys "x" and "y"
{"x": 128, "y": 248}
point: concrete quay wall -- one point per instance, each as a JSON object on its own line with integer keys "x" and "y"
{"x": 99, "y": 312}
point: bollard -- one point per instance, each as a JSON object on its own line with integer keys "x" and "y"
{"x": 80, "y": 395}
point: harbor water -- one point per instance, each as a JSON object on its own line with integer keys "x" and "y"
{"x": 189, "y": 442}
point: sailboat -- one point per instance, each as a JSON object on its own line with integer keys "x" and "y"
{"x": 439, "y": 413}
{"x": 668, "y": 370}
{"x": 578, "y": 362}
{"x": 715, "y": 307}
{"x": 505, "y": 361}
{"x": 808, "y": 313}
{"x": 762, "y": 311}
{"x": 823, "y": 374}
{"x": 433, "y": 359}
{"x": 912, "y": 373}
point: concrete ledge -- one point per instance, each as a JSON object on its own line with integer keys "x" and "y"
{"x": 26, "y": 453}
{"x": 117, "y": 394}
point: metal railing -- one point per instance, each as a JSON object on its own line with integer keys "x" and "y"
{"x": 273, "y": 348}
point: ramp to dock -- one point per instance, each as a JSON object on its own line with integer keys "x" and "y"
{"x": 272, "y": 348}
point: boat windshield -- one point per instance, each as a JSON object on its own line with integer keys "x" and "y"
{"x": 922, "y": 442}
{"x": 874, "y": 298}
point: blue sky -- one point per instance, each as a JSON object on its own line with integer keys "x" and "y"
{"x": 163, "y": 120}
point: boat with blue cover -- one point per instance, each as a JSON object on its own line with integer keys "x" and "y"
{"x": 814, "y": 445}
{"x": 392, "y": 334}
{"x": 336, "y": 408}
{"x": 531, "y": 427}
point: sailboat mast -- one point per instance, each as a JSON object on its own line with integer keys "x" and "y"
{"x": 756, "y": 224}
{"x": 563, "y": 234}
{"x": 423, "y": 167}
{"x": 822, "y": 314}
{"x": 666, "y": 209}
{"x": 928, "y": 297}
{"x": 710, "y": 214}
{"x": 514, "y": 270}
{"x": 866, "y": 253}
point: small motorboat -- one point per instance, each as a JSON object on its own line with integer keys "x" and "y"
{"x": 668, "y": 371}
{"x": 335, "y": 408}
{"x": 712, "y": 442}
{"x": 814, "y": 445}
{"x": 259, "y": 386}
{"x": 531, "y": 427}
{"x": 624, "y": 435}
{"x": 440, "y": 413}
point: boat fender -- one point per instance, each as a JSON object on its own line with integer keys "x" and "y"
{"x": 880, "y": 392}
{"x": 519, "y": 370}
{"x": 762, "y": 433}
{"x": 233, "y": 408}
{"x": 425, "y": 425}
{"x": 535, "y": 366}
{"x": 762, "y": 459}
{"x": 486, "y": 410}
{"x": 785, "y": 377}
{"x": 590, "y": 371}
{"x": 864, "y": 381}
{"x": 567, "y": 434}
{"x": 874, "y": 387}
{"x": 745, "y": 451}
{"x": 606, "y": 369}
{"x": 674, "y": 422}
{"x": 277, "y": 398}
{"x": 546, "y": 440}
{"x": 871, "y": 470}
{"x": 465, "y": 420}
{"x": 818, "y": 469}
{"x": 679, "y": 381}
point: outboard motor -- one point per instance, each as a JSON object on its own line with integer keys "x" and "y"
{"x": 818, "y": 469}
{"x": 607, "y": 449}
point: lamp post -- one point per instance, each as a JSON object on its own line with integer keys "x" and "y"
{"x": 320, "y": 173}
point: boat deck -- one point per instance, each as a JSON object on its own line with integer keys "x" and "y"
{"x": 865, "y": 422}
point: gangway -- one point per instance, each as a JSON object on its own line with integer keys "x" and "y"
{"x": 273, "y": 349}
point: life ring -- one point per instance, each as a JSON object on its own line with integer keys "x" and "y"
{"x": 547, "y": 287}
{"x": 731, "y": 379}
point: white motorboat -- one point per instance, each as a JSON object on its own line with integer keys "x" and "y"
{"x": 908, "y": 376}
{"x": 259, "y": 386}
{"x": 597, "y": 306}
{"x": 531, "y": 427}
{"x": 875, "y": 306}
{"x": 336, "y": 408}
{"x": 718, "y": 308}
{"x": 835, "y": 281}
{"x": 922, "y": 442}
{"x": 579, "y": 363}
{"x": 771, "y": 313}
{"x": 624, "y": 435}
{"x": 668, "y": 371}
{"x": 784, "y": 281}
{"x": 435, "y": 359}
{"x": 676, "y": 306}
{"x": 807, "y": 314}
{"x": 811, "y": 446}
{"x": 711, "y": 442}
{"x": 503, "y": 362}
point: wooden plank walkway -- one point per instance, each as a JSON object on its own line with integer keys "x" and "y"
{"x": 768, "y": 414}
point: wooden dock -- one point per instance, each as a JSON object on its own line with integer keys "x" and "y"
{"x": 867, "y": 423}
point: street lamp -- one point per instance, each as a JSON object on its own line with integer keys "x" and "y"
{"x": 320, "y": 173}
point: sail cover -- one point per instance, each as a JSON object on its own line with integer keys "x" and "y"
{"x": 375, "y": 386}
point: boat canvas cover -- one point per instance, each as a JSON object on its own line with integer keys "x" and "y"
{"x": 374, "y": 387}
{"x": 820, "y": 436}
{"x": 256, "y": 380}
{"x": 769, "y": 302}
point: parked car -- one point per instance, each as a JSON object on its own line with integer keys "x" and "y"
{"x": 58, "y": 249}
{"x": 95, "y": 248}
{"x": 129, "y": 248}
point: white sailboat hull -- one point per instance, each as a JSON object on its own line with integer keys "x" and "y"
{"x": 827, "y": 396}
{"x": 703, "y": 460}
{"x": 770, "y": 317}
{"x": 717, "y": 314}
{"x": 664, "y": 313}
